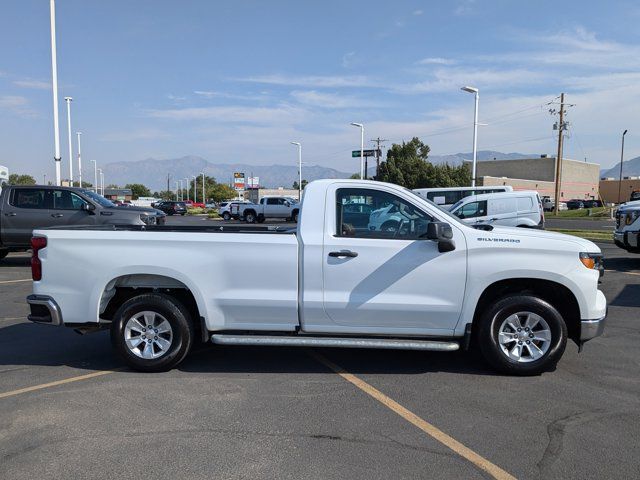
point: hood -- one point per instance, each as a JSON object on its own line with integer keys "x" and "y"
{"x": 629, "y": 206}
{"x": 582, "y": 244}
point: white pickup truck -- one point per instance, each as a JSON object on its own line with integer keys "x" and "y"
{"x": 269, "y": 207}
{"x": 627, "y": 233}
{"x": 433, "y": 283}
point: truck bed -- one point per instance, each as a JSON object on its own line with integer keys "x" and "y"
{"x": 182, "y": 228}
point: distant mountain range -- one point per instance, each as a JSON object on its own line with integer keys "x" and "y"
{"x": 631, "y": 168}
{"x": 153, "y": 173}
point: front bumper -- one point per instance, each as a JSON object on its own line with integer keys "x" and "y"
{"x": 627, "y": 239}
{"x": 592, "y": 328}
{"x": 44, "y": 309}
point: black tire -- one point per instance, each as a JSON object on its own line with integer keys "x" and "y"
{"x": 3, "y": 253}
{"x": 492, "y": 320}
{"x": 226, "y": 216}
{"x": 182, "y": 331}
{"x": 250, "y": 217}
{"x": 183, "y": 214}
{"x": 261, "y": 218}
{"x": 389, "y": 226}
{"x": 294, "y": 217}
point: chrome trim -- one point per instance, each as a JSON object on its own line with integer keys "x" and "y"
{"x": 592, "y": 328}
{"x": 52, "y": 306}
{"x": 301, "y": 341}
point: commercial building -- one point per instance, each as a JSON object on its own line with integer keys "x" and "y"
{"x": 121, "y": 194}
{"x": 578, "y": 179}
{"x": 609, "y": 188}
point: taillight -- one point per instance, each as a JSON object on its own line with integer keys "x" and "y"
{"x": 37, "y": 244}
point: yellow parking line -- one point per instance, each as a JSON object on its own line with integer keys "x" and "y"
{"x": 16, "y": 281}
{"x": 20, "y": 391}
{"x": 426, "y": 427}
{"x": 628, "y": 273}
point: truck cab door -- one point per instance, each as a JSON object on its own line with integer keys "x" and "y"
{"x": 388, "y": 282}
{"x": 68, "y": 208}
{"x": 26, "y": 210}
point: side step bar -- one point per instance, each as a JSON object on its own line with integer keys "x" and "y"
{"x": 335, "y": 342}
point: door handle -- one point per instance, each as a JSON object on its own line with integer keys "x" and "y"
{"x": 12, "y": 214}
{"x": 344, "y": 253}
{"x": 57, "y": 215}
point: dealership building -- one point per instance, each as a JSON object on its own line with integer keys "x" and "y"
{"x": 611, "y": 187}
{"x": 578, "y": 179}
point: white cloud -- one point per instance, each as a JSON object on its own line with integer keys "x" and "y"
{"x": 347, "y": 59}
{"x": 280, "y": 114}
{"x": 417, "y": 13}
{"x": 29, "y": 83}
{"x": 134, "y": 135}
{"x": 451, "y": 79}
{"x": 465, "y": 7}
{"x": 312, "y": 81}
{"x": 436, "y": 61}
{"x": 19, "y": 105}
{"x": 327, "y": 100}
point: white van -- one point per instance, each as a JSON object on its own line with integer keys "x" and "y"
{"x": 445, "y": 197}
{"x": 510, "y": 209}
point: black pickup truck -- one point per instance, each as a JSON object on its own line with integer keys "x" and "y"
{"x": 24, "y": 208}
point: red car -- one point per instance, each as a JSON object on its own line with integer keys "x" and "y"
{"x": 192, "y": 204}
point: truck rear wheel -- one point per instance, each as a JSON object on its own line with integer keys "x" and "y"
{"x": 522, "y": 335}
{"x": 294, "y": 217}
{"x": 250, "y": 217}
{"x": 152, "y": 332}
{"x": 226, "y": 216}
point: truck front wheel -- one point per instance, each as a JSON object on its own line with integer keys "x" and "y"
{"x": 522, "y": 335}
{"x": 152, "y": 332}
{"x": 250, "y": 217}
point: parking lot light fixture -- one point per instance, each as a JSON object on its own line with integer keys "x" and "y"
{"x": 195, "y": 191}
{"x": 361, "y": 147}
{"x": 299, "y": 169}
{"x": 204, "y": 194}
{"x": 54, "y": 84}
{"x": 69, "y": 100}
{"x": 475, "y": 91}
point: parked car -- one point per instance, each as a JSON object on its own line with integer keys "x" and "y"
{"x": 230, "y": 209}
{"x": 24, "y": 208}
{"x": 635, "y": 195}
{"x": 592, "y": 203}
{"x": 171, "y": 207}
{"x": 192, "y": 204}
{"x": 510, "y": 209}
{"x": 433, "y": 284}
{"x": 627, "y": 232}
{"x": 575, "y": 204}
{"x": 270, "y": 207}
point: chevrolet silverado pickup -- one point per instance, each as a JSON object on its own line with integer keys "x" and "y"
{"x": 23, "y": 208}
{"x": 269, "y": 207}
{"x": 627, "y": 233}
{"x": 432, "y": 283}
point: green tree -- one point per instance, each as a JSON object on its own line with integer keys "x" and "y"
{"x": 16, "y": 179}
{"x": 138, "y": 190}
{"x": 407, "y": 165}
{"x": 295, "y": 184}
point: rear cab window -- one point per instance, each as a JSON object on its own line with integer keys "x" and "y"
{"x": 32, "y": 198}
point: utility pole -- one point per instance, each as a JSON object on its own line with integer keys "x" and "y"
{"x": 559, "y": 157}
{"x": 621, "y": 160}
{"x": 378, "y": 141}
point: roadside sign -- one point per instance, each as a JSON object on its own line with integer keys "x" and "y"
{"x": 238, "y": 181}
{"x": 253, "y": 182}
{"x": 366, "y": 153}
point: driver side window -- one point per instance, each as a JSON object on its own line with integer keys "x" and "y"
{"x": 368, "y": 213}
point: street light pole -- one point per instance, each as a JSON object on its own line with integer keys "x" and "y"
{"x": 475, "y": 132}
{"x": 621, "y": 160}
{"x": 79, "y": 160}
{"x": 95, "y": 175}
{"x": 98, "y": 187}
{"x": 69, "y": 100}
{"x": 361, "y": 147}
{"x": 299, "y": 169}
{"x": 204, "y": 193}
{"x": 186, "y": 184}
{"x": 195, "y": 191}
{"x": 54, "y": 83}
{"x": 177, "y": 189}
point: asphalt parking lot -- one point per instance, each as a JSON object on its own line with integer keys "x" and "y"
{"x": 69, "y": 410}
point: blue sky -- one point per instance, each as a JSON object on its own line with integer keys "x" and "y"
{"x": 236, "y": 81}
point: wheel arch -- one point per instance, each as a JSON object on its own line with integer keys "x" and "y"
{"x": 556, "y": 294}
{"x": 123, "y": 287}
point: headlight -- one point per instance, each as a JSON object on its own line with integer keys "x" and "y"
{"x": 593, "y": 261}
{"x": 148, "y": 219}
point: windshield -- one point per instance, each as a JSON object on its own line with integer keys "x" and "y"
{"x": 98, "y": 198}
